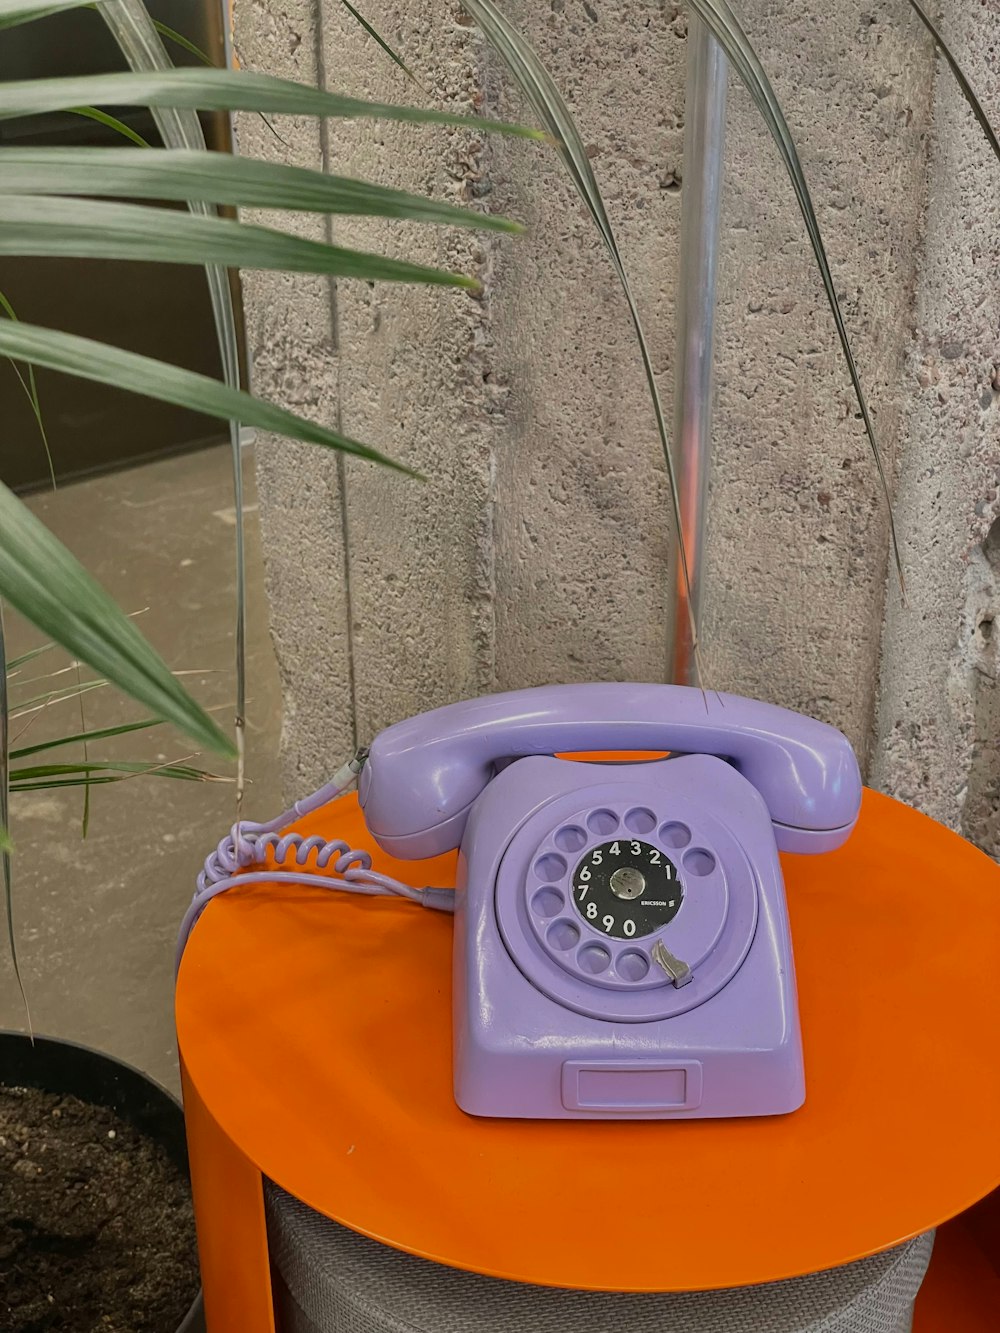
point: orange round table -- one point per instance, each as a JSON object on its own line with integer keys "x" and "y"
{"x": 315, "y": 1037}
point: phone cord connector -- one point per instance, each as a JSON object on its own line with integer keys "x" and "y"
{"x": 266, "y": 845}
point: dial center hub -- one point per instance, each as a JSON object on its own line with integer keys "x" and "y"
{"x": 627, "y": 888}
{"x": 627, "y": 882}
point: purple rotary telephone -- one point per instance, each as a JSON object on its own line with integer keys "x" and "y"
{"x": 621, "y": 937}
{"x": 621, "y": 940}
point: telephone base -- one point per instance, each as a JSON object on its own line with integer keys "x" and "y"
{"x": 561, "y": 1011}
{"x": 736, "y": 1084}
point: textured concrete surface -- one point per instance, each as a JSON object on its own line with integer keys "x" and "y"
{"x": 539, "y": 548}
{"x": 796, "y": 554}
{"x": 97, "y": 919}
{"x": 939, "y": 717}
{"x": 291, "y": 329}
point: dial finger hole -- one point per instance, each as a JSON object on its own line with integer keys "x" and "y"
{"x": 632, "y": 965}
{"x": 602, "y": 821}
{"x": 547, "y": 902}
{"x": 563, "y": 935}
{"x": 699, "y": 862}
{"x": 640, "y": 820}
{"x": 571, "y": 838}
{"x": 593, "y": 959}
{"x": 675, "y": 834}
{"x": 550, "y": 867}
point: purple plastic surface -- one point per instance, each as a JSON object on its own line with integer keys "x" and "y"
{"x": 536, "y": 1036}
{"x": 621, "y": 938}
{"x": 423, "y": 775}
{"x": 712, "y": 931}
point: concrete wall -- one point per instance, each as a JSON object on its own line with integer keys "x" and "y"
{"x": 540, "y": 547}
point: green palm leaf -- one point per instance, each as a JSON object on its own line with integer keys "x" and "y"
{"x": 132, "y": 28}
{"x": 540, "y": 89}
{"x": 135, "y": 32}
{"x": 178, "y": 39}
{"x": 89, "y": 229}
{"x": 719, "y": 18}
{"x": 72, "y": 355}
{"x": 111, "y": 123}
{"x": 93, "y": 734}
{"x": 34, "y": 773}
{"x": 16, "y": 663}
{"x": 968, "y": 92}
{"x": 220, "y": 90}
{"x": 40, "y": 577}
{"x": 13, "y": 12}
{"x": 393, "y": 56}
{"x": 219, "y": 178}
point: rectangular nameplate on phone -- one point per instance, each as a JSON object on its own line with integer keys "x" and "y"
{"x": 622, "y": 1085}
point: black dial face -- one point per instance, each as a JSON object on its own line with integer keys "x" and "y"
{"x": 627, "y": 888}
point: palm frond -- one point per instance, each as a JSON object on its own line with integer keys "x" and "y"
{"x": 394, "y": 56}
{"x": 719, "y": 17}
{"x": 72, "y": 355}
{"x": 220, "y": 178}
{"x": 110, "y": 123}
{"x": 544, "y": 96}
{"x": 968, "y": 92}
{"x": 95, "y": 229}
{"x": 223, "y": 90}
{"x": 43, "y": 581}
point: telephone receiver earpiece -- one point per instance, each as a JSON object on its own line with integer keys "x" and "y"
{"x": 423, "y": 775}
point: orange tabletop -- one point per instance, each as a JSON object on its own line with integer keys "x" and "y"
{"x": 315, "y": 1033}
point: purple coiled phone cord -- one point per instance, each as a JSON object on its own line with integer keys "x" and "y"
{"x": 247, "y": 843}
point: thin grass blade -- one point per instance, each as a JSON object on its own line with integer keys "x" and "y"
{"x": 722, "y": 22}
{"x": 6, "y": 846}
{"x": 393, "y": 55}
{"x": 93, "y": 780}
{"x": 30, "y": 387}
{"x": 93, "y": 229}
{"x": 94, "y": 734}
{"x": 110, "y": 122}
{"x": 222, "y": 90}
{"x": 968, "y": 92}
{"x": 85, "y": 823}
{"x": 220, "y": 178}
{"x": 178, "y": 39}
{"x": 31, "y": 707}
{"x": 16, "y": 662}
{"x": 33, "y": 773}
{"x": 541, "y": 92}
{"x": 72, "y": 355}
{"x": 24, "y": 707}
{"x": 40, "y": 577}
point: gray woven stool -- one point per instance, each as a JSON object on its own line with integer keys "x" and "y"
{"x": 328, "y": 1279}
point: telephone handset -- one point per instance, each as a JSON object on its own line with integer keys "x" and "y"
{"x": 622, "y": 946}
{"x": 423, "y": 775}
{"x": 621, "y": 939}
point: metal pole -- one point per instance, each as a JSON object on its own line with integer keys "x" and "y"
{"x": 704, "y": 147}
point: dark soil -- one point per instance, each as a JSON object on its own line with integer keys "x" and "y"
{"x": 96, "y": 1228}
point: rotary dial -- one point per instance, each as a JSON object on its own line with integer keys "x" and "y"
{"x": 627, "y": 888}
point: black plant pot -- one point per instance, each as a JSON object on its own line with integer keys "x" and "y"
{"x": 65, "y": 1068}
